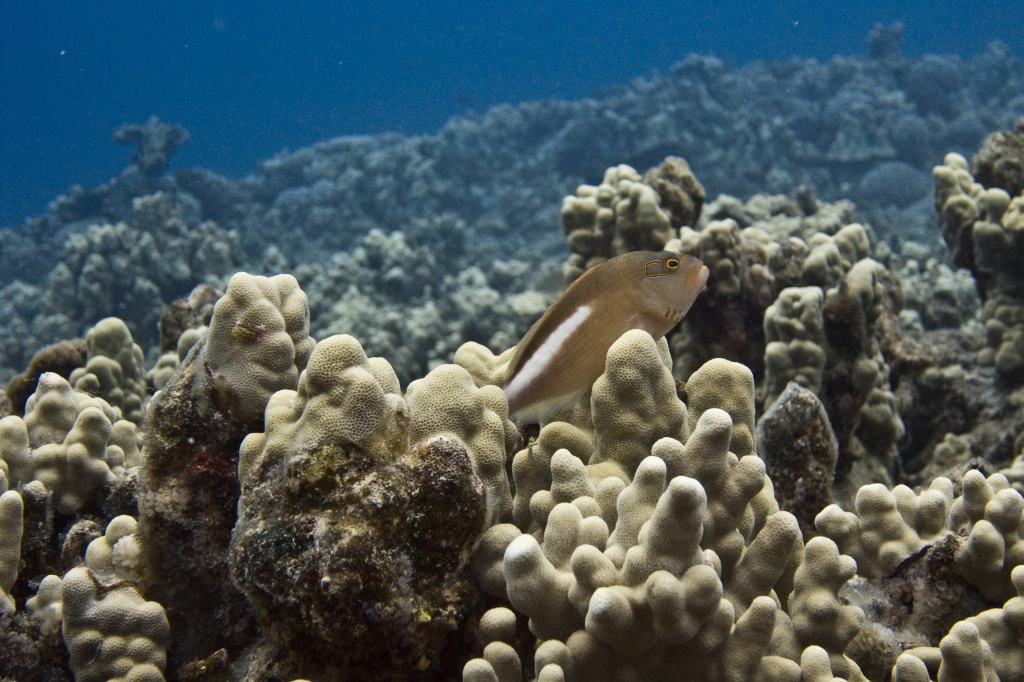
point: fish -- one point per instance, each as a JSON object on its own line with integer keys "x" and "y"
{"x": 564, "y": 351}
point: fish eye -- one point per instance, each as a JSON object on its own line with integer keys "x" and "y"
{"x": 672, "y": 264}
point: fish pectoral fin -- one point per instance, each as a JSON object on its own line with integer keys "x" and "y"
{"x": 544, "y": 410}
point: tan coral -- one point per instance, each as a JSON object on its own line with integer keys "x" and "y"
{"x": 112, "y": 634}
{"x": 629, "y": 602}
{"x": 114, "y": 370}
{"x": 342, "y": 398}
{"x": 794, "y": 341}
{"x": 51, "y": 411}
{"x": 117, "y": 555}
{"x": 11, "y": 528}
{"x": 728, "y": 386}
{"x": 634, "y": 404}
{"x": 447, "y": 401}
{"x": 983, "y": 229}
{"x": 257, "y": 343}
{"x": 71, "y": 442}
{"x": 962, "y": 656}
{"x": 47, "y": 606}
{"x": 340, "y": 517}
{"x": 887, "y": 526}
{"x": 992, "y": 514}
{"x": 621, "y": 214}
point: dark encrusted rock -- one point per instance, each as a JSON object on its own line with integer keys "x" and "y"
{"x": 795, "y": 440}
{"x": 187, "y": 313}
{"x": 915, "y": 606}
{"x": 1000, "y": 161}
{"x": 60, "y": 358}
{"x": 355, "y": 565}
{"x": 187, "y": 508}
{"x": 76, "y": 540}
{"x": 27, "y": 654}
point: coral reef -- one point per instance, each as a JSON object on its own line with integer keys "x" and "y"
{"x": 156, "y": 252}
{"x": 619, "y": 215}
{"x": 612, "y": 593}
{"x": 488, "y": 187}
{"x": 813, "y": 478}
{"x": 982, "y": 228}
{"x": 400, "y": 301}
{"x": 11, "y": 526}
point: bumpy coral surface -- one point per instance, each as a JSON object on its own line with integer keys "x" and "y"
{"x": 112, "y": 634}
{"x": 619, "y": 215}
{"x": 350, "y": 544}
{"x": 114, "y": 369}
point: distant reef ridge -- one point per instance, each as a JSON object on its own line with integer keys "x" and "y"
{"x": 484, "y": 192}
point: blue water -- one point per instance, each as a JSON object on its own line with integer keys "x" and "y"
{"x": 250, "y": 79}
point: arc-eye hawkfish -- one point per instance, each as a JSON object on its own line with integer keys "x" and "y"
{"x": 564, "y": 352}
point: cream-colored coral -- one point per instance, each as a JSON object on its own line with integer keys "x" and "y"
{"x": 984, "y": 230}
{"x": 117, "y": 555}
{"x": 819, "y": 617}
{"x": 794, "y": 331}
{"x": 448, "y": 402}
{"x": 617, "y": 605}
{"x": 634, "y": 403}
{"x": 831, "y": 257}
{"x": 11, "y": 528}
{"x": 531, "y": 468}
{"x": 721, "y": 249}
{"x": 1003, "y": 630}
{"x": 867, "y": 421}
{"x": 992, "y": 514}
{"x": 112, "y": 633}
{"x": 734, "y": 485}
{"x": 343, "y": 398}
{"x": 73, "y": 443}
{"x": 721, "y": 384}
{"x": 15, "y": 457}
{"x": 47, "y": 606}
{"x": 484, "y": 366}
{"x": 75, "y": 470}
{"x": 888, "y": 526}
{"x": 115, "y": 369}
{"x": 962, "y": 656}
{"x": 658, "y": 610}
{"x": 52, "y": 410}
{"x": 1014, "y": 473}
{"x": 499, "y": 661}
{"x": 621, "y": 214}
{"x": 168, "y": 363}
{"x": 257, "y": 343}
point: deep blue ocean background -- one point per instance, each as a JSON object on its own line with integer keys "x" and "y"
{"x": 251, "y": 79}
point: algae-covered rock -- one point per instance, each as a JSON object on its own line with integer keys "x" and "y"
{"x": 350, "y": 545}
